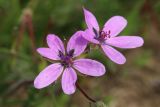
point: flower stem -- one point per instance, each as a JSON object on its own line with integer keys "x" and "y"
{"x": 84, "y": 93}
{"x": 29, "y": 25}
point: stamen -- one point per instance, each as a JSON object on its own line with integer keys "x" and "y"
{"x": 96, "y": 33}
{"x": 108, "y": 34}
{"x": 66, "y": 60}
{"x": 101, "y": 36}
{"x": 70, "y": 53}
{"x": 60, "y": 54}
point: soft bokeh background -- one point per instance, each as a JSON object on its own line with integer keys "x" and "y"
{"x": 24, "y": 25}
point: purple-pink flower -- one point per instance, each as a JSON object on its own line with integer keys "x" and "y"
{"x": 66, "y": 63}
{"x": 106, "y": 37}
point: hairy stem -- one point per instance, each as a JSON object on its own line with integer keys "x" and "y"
{"x": 29, "y": 25}
{"x": 84, "y": 93}
{"x": 20, "y": 36}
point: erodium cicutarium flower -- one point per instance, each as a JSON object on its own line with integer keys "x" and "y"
{"x": 107, "y": 36}
{"x": 66, "y": 63}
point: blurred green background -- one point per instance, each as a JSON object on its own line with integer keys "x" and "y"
{"x": 24, "y": 25}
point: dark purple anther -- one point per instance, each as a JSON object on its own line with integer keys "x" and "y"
{"x": 70, "y": 53}
{"x": 66, "y": 60}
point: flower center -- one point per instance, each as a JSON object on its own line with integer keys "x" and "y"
{"x": 101, "y": 36}
{"x": 66, "y": 60}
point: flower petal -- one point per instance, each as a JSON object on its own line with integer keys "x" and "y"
{"x": 126, "y": 41}
{"x": 69, "y": 79}
{"x": 78, "y": 43}
{"x": 115, "y": 25}
{"x": 89, "y": 67}
{"x": 113, "y": 54}
{"x": 55, "y": 43}
{"x": 89, "y": 35}
{"x": 90, "y": 20}
{"x": 48, "y": 53}
{"x": 48, "y": 75}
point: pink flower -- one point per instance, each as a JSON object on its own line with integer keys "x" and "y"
{"x": 66, "y": 63}
{"x": 106, "y": 37}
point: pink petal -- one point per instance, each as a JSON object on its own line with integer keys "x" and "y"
{"x": 113, "y": 54}
{"x": 90, "y": 20}
{"x": 89, "y": 35}
{"x": 55, "y": 43}
{"x": 89, "y": 67}
{"x": 69, "y": 79}
{"x": 78, "y": 43}
{"x": 125, "y": 41}
{"x": 48, "y": 53}
{"x": 48, "y": 75}
{"x": 115, "y": 25}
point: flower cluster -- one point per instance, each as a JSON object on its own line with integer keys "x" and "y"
{"x": 67, "y": 62}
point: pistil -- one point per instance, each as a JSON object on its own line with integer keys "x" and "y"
{"x": 101, "y": 36}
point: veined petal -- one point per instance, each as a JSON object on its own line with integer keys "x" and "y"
{"x": 113, "y": 54}
{"x": 48, "y": 53}
{"x": 55, "y": 43}
{"x": 125, "y": 41}
{"x": 89, "y": 35}
{"x": 89, "y": 67}
{"x": 90, "y": 20}
{"x": 69, "y": 79}
{"x": 115, "y": 25}
{"x": 48, "y": 75}
{"x": 77, "y": 43}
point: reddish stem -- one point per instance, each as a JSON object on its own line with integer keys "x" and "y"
{"x": 31, "y": 32}
{"x": 84, "y": 93}
{"x": 20, "y": 35}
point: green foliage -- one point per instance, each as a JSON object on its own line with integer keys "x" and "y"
{"x": 144, "y": 58}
